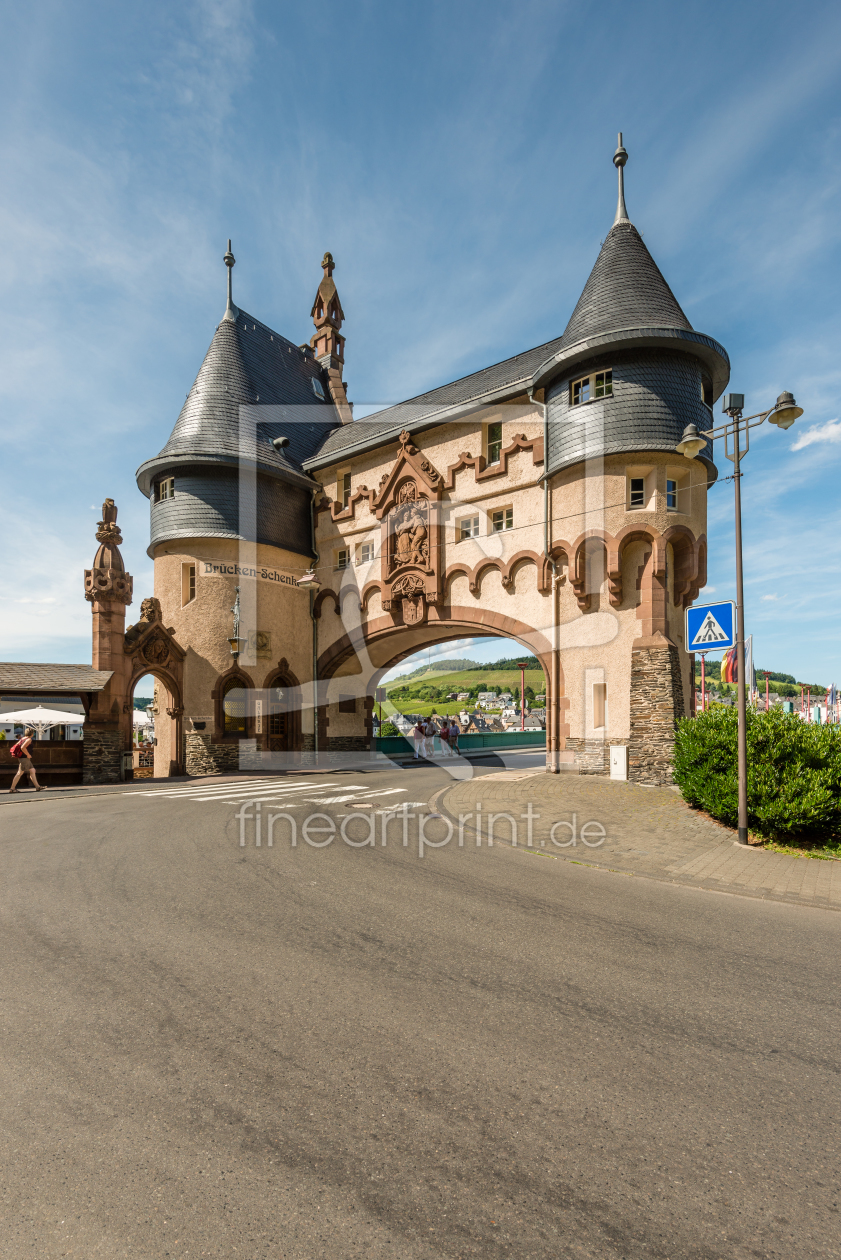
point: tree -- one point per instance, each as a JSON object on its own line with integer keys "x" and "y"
{"x": 529, "y": 694}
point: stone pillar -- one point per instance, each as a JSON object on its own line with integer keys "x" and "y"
{"x": 656, "y": 704}
{"x": 108, "y": 588}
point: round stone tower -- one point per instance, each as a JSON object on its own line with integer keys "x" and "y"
{"x": 231, "y": 528}
{"x": 628, "y": 375}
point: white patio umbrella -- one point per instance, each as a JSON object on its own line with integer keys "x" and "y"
{"x": 141, "y": 718}
{"x": 42, "y": 719}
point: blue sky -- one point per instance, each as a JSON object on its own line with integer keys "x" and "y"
{"x": 456, "y": 159}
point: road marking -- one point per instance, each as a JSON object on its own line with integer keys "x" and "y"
{"x": 228, "y": 789}
{"x": 272, "y": 792}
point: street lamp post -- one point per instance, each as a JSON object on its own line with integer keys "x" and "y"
{"x": 784, "y": 413}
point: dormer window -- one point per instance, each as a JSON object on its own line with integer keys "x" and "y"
{"x": 599, "y": 385}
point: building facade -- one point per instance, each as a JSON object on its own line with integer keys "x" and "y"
{"x": 300, "y": 554}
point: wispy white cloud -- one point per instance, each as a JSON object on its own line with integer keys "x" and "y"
{"x": 819, "y": 433}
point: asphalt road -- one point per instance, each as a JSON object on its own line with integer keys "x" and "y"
{"x": 219, "y": 1050}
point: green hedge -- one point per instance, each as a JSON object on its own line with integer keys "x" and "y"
{"x": 794, "y": 771}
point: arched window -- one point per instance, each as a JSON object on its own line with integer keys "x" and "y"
{"x": 234, "y": 707}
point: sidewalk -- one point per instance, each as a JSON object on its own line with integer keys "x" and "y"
{"x": 649, "y": 831}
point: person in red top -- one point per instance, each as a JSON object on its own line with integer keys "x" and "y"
{"x": 24, "y": 761}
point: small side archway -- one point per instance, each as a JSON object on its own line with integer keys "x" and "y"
{"x": 168, "y": 714}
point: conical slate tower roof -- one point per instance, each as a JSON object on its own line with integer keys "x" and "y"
{"x": 627, "y": 303}
{"x": 626, "y": 289}
{"x": 248, "y": 364}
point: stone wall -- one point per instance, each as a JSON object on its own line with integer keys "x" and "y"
{"x": 656, "y": 705}
{"x": 348, "y": 743}
{"x": 204, "y": 757}
{"x": 102, "y": 756}
{"x": 590, "y": 756}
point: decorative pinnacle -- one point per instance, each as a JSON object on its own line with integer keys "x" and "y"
{"x": 620, "y": 157}
{"x": 328, "y": 264}
{"x": 231, "y": 311}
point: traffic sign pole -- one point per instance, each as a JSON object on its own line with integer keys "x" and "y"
{"x": 740, "y": 648}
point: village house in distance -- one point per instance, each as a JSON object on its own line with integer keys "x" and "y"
{"x": 300, "y": 554}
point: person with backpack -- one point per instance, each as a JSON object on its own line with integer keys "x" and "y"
{"x": 20, "y": 752}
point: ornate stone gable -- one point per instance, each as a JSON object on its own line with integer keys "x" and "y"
{"x": 407, "y": 504}
{"x": 152, "y": 645}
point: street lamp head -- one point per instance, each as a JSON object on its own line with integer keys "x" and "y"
{"x": 785, "y": 412}
{"x": 309, "y": 582}
{"x": 733, "y": 404}
{"x": 691, "y": 442}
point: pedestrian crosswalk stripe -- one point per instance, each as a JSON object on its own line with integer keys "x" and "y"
{"x": 226, "y": 789}
{"x": 269, "y": 792}
{"x": 263, "y": 795}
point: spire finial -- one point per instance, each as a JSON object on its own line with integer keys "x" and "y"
{"x": 328, "y": 264}
{"x": 231, "y": 311}
{"x": 620, "y": 157}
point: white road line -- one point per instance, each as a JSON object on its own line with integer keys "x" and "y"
{"x": 269, "y": 794}
{"x": 222, "y": 790}
{"x": 252, "y": 795}
{"x": 274, "y": 792}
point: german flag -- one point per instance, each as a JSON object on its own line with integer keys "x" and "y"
{"x": 730, "y": 667}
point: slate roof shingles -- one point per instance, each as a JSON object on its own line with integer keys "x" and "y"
{"x": 625, "y": 289}
{"x": 248, "y": 363}
{"x": 513, "y": 372}
{"x": 28, "y": 676}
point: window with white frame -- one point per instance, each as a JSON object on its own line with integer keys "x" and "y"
{"x": 501, "y": 519}
{"x": 164, "y": 489}
{"x": 494, "y": 442}
{"x": 365, "y": 553}
{"x": 188, "y": 584}
{"x": 342, "y": 559}
{"x": 343, "y": 489}
{"x": 636, "y": 492}
{"x": 468, "y": 527}
{"x": 598, "y": 385}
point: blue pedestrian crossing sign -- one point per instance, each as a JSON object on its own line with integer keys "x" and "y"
{"x": 711, "y": 627}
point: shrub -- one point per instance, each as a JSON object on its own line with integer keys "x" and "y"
{"x": 794, "y": 771}
{"x": 388, "y": 728}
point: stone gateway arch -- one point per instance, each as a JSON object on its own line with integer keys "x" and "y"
{"x": 541, "y": 498}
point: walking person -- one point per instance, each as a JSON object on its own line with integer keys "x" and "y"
{"x": 20, "y": 752}
{"x": 455, "y": 731}
{"x": 444, "y": 736}
{"x": 419, "y": 736}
